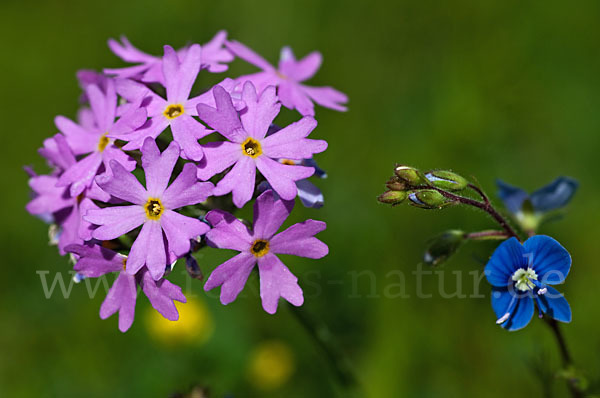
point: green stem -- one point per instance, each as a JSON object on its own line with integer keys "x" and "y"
{"x": 567, "y": 360}
{"x": 322, "y": 337}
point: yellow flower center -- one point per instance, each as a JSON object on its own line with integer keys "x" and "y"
{"x": 103, "y": 142}
{"x": 174, "y": 110}
{"x": 124, "y": 262}
{"x": 251, "y": 147}
{"x": 289, "y": 162}
{"x": 260, "y": 247}
{"x": 154, "y": 208}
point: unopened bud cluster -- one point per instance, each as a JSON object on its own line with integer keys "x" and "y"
{"x": 422, "y": 189}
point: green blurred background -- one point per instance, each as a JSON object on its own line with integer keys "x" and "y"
{"x": 504, "y": 89}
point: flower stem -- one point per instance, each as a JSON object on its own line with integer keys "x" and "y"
{"x": 324, "y": 339}
{"x": 486, "y": 206}
{"x": 487, "y": 235}
{"x": 572, "y": 382}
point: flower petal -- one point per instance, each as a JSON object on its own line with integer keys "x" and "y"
{"x": 228, "y": 232}
{"x": 310, "y": 195}
{"x": 260, "y": 111}
{"x": 161, "y": 294}
{"x": 224, "y": 118}
{"x": 186, "y": 190}
{"x": 290, "y": 141}
{"x": 550, "y": 260}
{"x": 303, "y": 69}
{"x": 217, "y": 157}
{"x": 555, "y": 195}
{"x": 512, "y": 197}
{"x": 555, "y": 305}
{"x": 240, "y": 181}
{"x": 522, "y": 310}
{"x": 80, "y": 175}
{"x": 327, "y": 97}
{"x": 115, "y": 221}
{"x": 248, "y": 55}
{"x": 148, "y": 249}
{"x": 283, "y": 177}
{"x": 186, "y": 132}
{"x": 299, "y": 240}
{"x": 508, "y": 257}
{"x": 276, "y": 281}
{"x": 231, "y": 276}
{"x": 269, "y": 214}
{"x": 158, "y": 167}
{"x": 293, "y": 96}
{"x": 121, "y": 297}
{"x": 122, "y": 184}
{"x": 179, "y": 229}
{"x": 95, "y": 260}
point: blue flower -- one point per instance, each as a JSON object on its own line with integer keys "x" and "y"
{"x": 529, "y": 209}
{"x": 520, "y": 274}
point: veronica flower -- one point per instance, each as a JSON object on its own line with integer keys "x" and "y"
{"x": 247, "y": 147}
{"x": 260, "y": 245}
{"x": 521, "y": 274}
{"x": 95, "y": 261}
{"x": 149, "y": 69}
{"x": 288, "y": 78}
{"x": 165, "y": 234}
{"x": 528, "y": 209}
{"x": 93, "y": 141}
{"x": 175, "y": 111}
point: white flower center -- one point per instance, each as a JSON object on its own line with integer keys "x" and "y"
{"x": 523, "y": 279}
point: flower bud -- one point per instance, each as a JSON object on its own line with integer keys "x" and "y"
{"x": 428, "y": 199}
{"x": 443, "y": 246}
{"x": 393, "y": 197}
{"x": 193, "y": 270}
{"x": 447, "y": 180}
{"x": 396, "y": 184}
{"x": 408, "y": 174}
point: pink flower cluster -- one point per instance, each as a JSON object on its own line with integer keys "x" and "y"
{"x": 144, "y": 120}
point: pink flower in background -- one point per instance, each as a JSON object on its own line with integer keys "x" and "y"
{"x": 93, "y": 140}
{"x": 95, "y": 261}
{"x": 288, "y": 78}
{"x": 261, "y": 246}
{"x": 214, "y": 58}
{"x": 165, "y": 234}
{"x": 175, "y": 111}
{"x": 248, "y": 147}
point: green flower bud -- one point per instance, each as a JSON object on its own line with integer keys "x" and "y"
{"x": 428, "y": 199}
{"x": 408, "y": 174}
{"x": 447, "y": 180}
{"x": 393, "y": 197}
{"x": 443, "y": 246}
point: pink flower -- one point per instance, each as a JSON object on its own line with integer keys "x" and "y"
{"x": 288, "y": 78}
{"x": 95, "y": 261}
{"x": 165, "y": 234}
{"x": 261, "y": 246}
{"x": 249, "y": 148}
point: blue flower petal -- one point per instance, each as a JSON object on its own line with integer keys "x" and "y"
{"x": 554, "y": 195}
{"x": 309, "y": 194}
{"x": 555, "y": 305}
{"x": 507, "y": 258}
{"x": 550, "y": 260}
{"x": 520, "y": 308}
{"x": 512, "y": 197}
{"x": 522, "y": 315}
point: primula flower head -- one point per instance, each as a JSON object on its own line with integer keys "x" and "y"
{"x": 94, "y": 261}
{"x": 248, "y": 147}
{"x": 288, "y": 77}
{"x": 521, "y": 274}
{"x": 165, "y": 234}
{"x": 260, "y": 245}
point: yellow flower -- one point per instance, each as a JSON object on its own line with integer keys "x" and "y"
{"x": 271, "y": 365}
{"x": 195, "y": 324}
